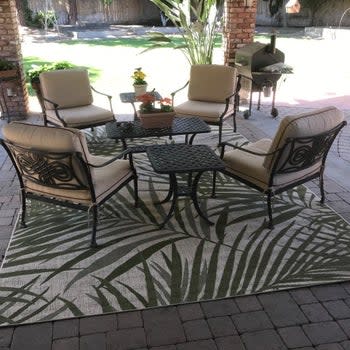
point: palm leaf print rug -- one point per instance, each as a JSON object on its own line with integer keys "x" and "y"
{"x": 50, "y": 272}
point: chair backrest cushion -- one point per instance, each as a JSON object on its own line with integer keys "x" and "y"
{"x": 211, "y": 82}
{"x": 67, "y": 87}
{"x": 304, "y": 125}
{"x": 44, "y": 138}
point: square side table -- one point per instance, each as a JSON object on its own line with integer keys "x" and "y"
{"x": 183, "y": 158}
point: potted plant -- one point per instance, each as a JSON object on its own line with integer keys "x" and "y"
{"x": 152, "y": 116}
{"x": 8, "y": 69}
{"x": 140, "y": 84}
{"x": 34, "y": 72}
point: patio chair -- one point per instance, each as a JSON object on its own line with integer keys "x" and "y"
{"x": 68, "y": 100}
{"x": 54, "y": 165}
{"x": 213, "y": 94}
{"x": 296, "y": 154}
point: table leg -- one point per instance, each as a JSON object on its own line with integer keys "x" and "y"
{"x": 125, "y": 146}
{"x": 173, "y": 186}
{"x": 169, "y": 195}
{"x": 192, "y": 138}
{"x": 135, "y": 113}
{"x": 195, "y": 199}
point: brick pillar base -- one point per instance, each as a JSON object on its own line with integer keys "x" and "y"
{"x": 13, "y": 92}
{"x": 239, "y": 27}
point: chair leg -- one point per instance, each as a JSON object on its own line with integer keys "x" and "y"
{"x": 220, "y": 132}
{"x": 322, "y": 188}
{"x": 23, "y": 214}
{"x": 213, "y": 194}
{"x": 234, "y": 122}
{"x": 93, "y": 243}
{"x": 269, "y": 211}
{"x": 136, "y": 192}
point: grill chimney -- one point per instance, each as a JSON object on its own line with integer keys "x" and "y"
{"x": 272, "y": 47}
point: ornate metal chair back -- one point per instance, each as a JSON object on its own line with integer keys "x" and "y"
{"x": 300, "y": 153}
{"x": 60, "y": 170}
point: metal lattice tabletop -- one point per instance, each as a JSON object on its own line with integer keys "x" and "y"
{"x": 182, "y": 158}
{"x": 132, "y": 130}
{"x": 129, "y": 97}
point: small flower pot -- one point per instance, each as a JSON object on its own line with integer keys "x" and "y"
{"x": 140, "y": 89}
{"x": 156, "y": 120}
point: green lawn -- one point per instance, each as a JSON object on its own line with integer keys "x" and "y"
{"x": 70, "y": 50}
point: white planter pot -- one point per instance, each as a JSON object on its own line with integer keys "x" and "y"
{"x": 140, "y": 89}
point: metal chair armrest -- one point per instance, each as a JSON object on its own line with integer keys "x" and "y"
{"x": 223, "y": 144}
{"x": 103, "y": 94}
{"x": 176, "y": 91}
{"x": 118, "y": 156}
{"x": 128, "y": 152}
{"x": 55, "y": 105}
{"x": 56, "y": 108}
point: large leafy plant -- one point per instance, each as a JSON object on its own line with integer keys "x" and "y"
{"x": 197, "y": 21}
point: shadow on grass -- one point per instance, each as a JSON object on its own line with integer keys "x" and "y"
{"x": 30, "y": 61}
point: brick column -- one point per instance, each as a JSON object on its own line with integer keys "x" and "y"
{"x": 239, "y": 26}
{"x": 10, "y": 49}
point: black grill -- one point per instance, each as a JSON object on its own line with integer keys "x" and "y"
{"x": 251, "y": 61}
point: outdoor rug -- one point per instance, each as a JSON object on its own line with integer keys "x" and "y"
{"x": 51, "y": 273}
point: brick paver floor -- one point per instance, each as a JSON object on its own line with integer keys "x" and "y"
{"x": 306, "y": 318}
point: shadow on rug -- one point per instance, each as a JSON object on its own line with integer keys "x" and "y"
{"x": 51, "y": 273}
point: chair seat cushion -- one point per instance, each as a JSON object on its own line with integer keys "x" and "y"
{"x": 79, "y": 117}
{"x": 110, "y": 177}
{"x": 105, "y": 180}
{"x": 208, "y": 111}
{"x": 249, "y": 167}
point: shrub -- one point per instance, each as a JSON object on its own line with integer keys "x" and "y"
{"x": 6, "y": 65}
{"x": 34, "y": 72}
{"x": 39, "y": 19}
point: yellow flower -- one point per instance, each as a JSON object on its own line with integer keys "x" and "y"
{"x": 139, "y": 77}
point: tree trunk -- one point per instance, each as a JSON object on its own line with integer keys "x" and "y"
{"x": 284, "y": 14}
{"x": 73, "y": 12}
{"x": 20, "y": 11}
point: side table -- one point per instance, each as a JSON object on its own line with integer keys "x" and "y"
{"x": 183, "y": 158}
{"x": 130, "y": 97}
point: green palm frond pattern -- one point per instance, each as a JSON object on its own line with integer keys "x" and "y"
{"x": 50, "y": 272}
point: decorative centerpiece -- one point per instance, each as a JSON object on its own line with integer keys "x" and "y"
{"x": 152, "y": 117}
{"x": 140, "y": 84}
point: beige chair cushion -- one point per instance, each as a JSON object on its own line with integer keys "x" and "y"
{"x": 53, "y": 139}
{"x": 46, "y": 138}
{"x": 208, "y": 111}
{"x": 211, "y": 82}
{"x": 68, "y": 88}
{"x": 306, "y": 124}
{"x": 81, "y": 116}
{"x": 250, "y": 167}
